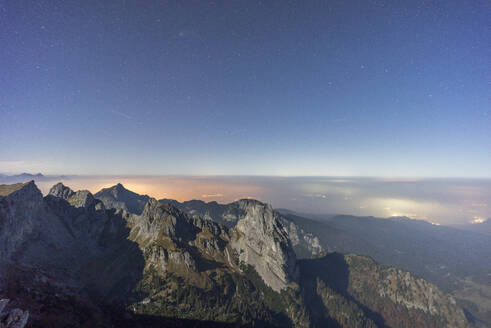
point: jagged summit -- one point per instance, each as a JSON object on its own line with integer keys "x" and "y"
{"x": 262, "y": 241}
{"x": 117, "y": 188}
{"x": 60, "y": 190}
{"x": 27, "y": 191}
{"x": 226, "y": 214}
{"x": 157, "y": 211}
{"x": 304, "y": 243}
{"x": 119, "y": 197}
{"x": 80, "y": 199}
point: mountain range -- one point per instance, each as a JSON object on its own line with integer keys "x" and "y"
{"x": 16, "y": 178}
{"x": 453, "y": 258}
{"x": 117, "y": 258}
{"x": 482, "y": 227}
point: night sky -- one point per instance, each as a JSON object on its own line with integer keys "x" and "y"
{"x": 336, "y": 88}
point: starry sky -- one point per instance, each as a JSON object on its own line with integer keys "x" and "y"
{"x": 291, "y": 88}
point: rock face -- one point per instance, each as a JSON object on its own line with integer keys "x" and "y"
{"x": 12, "y": 317}
{"x": 262, "y": 241}
{"x": 386, "y": 290}
{"x": 22, "y": 212}
{"x": 305, "y": 244}
{"x": 163, "y": 234}
{"x": 226, "y": 214}
{"x": 61, "y": 191}
{"x": 66, "y": 250}
{"x": 83, "y": 199}
{"x": 121, "y": 198}
{"x": 57, "y": 234}
{"x": 260, "y": 237}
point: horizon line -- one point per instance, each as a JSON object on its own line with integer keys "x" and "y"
{"x": 392, "y": 177}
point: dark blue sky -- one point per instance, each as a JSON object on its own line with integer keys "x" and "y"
{"x": 366, "y": 88}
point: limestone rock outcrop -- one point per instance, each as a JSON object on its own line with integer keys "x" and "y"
{"x": 305, "y": 244}
{"x": 61, "y": 191}
{"x": 262, "y": 242}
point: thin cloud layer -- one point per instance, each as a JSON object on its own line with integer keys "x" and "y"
{"x": 443, "y": 201}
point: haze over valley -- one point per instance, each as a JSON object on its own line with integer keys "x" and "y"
{"x": 448, "y": 201}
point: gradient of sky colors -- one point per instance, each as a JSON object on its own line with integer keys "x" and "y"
{"x": 364, "y": 88}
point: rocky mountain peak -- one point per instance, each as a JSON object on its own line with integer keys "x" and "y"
{"x": 118, "y": 189}
{"x": 262, "y": 241}
{"x": 154, "y": 207}
{"x": 61, "y": 191}
{"x": 261, "y": 215}
{"x": 22, "y": 192}
{"x": 164, "y": 234}
{"x": 119, "y": 197}
{"x": 82, "y": 198}
{"x": 163, "y": 218}
{"x": 25, "y": 220}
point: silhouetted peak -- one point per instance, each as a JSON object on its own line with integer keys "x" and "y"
{"x": 27, "y": 191}
{"x": 119, "y": 197}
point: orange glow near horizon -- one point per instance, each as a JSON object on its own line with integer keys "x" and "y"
{"x": 455, "y": 202}
{"x": 180, "y": 189}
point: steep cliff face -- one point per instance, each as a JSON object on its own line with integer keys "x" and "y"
{"x": 350, "y": 285}
{"x": 387, "y": 290}
{"x": 70, "y": 250}
{"x": 305, "y": 244}
{"x": 262, "y": 242}
{"x": 71, "y": 239}
{"x": 26, "y": 224}
{"x": 164, "y": 233}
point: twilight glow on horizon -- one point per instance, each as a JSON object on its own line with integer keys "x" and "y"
{"x": 317, "y": 88}
{"x": 442, "y": 201}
